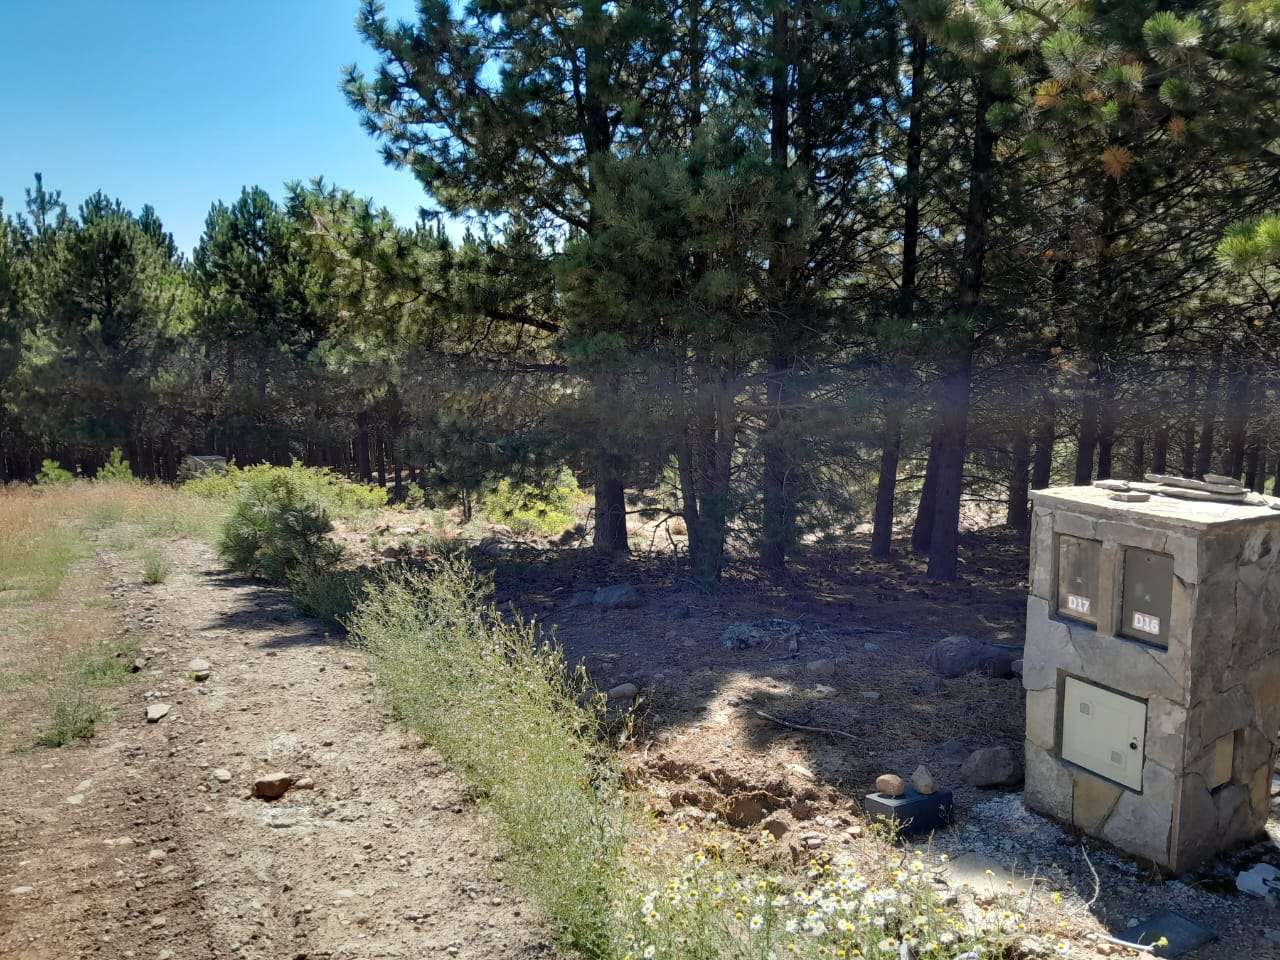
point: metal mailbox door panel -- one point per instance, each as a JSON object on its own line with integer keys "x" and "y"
{"x": 1078, "y": 561}
{"x": 1104, "y": 732}
{"x": 1148, "y": 596}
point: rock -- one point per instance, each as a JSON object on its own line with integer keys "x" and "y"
{"x": 740, "y": 636}
{"x": 222, "y": 775}
{"x": 138, "y": 665}
{"x": 200, "y": 669}
{"x": 922, "y": 780}
{"x": 957, "y": 655}
{"x": 1016, "y": 667}
{"x": 748, "y": 809}
{"x": 872, "y": 696}
{"x": 992, "y": 767}
{"x": 890, "y": 785}
{"x": 618, "y": 597}
{"x": 871, "y": 647}
{"x": 20, "y": 891}
{"x": 1260, "y": 880}
{"x": 820, "y": 668}
{"x": 271, "y": 786}
{"x": 157, "y": 712}
{"x": 305, "y": 783}
{"x": 623, "y": 692}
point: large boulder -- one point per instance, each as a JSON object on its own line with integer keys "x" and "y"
{"x": 992, "y": 767}
{"x": 957, "y": 655}
{"x": 617, "y": 597}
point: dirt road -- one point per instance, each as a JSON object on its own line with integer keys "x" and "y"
{"x": 147, "y": 843}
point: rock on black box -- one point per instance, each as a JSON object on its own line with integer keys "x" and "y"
{"x": 913, "y": 812}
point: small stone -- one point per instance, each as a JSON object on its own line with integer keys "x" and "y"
{"x": 157, "y": 712}
{"x": 20, "y": 891}
{"x": 820, "y": 668}
{"x": 305, "y": 783}
{"x": 1260, "y": 880}
{"x": 222, "y": 775}
{"x": 890, "y": 785}
{"x": 992, "y": 767}
{"x": 623, "y": 692}
{"x": 1016, "y": 667}
{"x": 272, "y": 785}
{"x": 871, "y": 647}
{"x": 200, "y": 669}
{"x": 871, "y": 695}
{"x": 138, "y": 665}
{"x": 1119, "y": 485}
{"x": 922, "y": 780}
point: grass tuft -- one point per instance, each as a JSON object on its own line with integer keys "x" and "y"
{"x": 499, "y": 705}
{"x": 156, "y": 567}
{"x": 73, "y": 715}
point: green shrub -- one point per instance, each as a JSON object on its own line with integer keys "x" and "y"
{"x": 116, "y": 469}
{"x": 340, "y": 497}
{"x": 415, "y": 498}
{"x": 53, "y": 474}
{"x": 277, "y": 526}
{"x": 74, "y": 715}
{"x": 533, "y": 508}
{"x": 499, "y": 704}
{"x": 327, "y": 594}
{"x": 156, "y": 567}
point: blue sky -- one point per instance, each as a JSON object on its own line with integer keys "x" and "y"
{"x": 178, "y": 103}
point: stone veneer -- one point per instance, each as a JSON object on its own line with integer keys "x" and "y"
{"x": 1220, "y": 675}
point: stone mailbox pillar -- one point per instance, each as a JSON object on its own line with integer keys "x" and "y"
{"x": 1152, "y": 669}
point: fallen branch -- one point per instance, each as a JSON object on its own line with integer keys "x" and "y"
{"x": 801, "y": 726}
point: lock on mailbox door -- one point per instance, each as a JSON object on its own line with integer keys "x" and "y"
{"x": 1104, "y": 732}
{"x": 1148, "y": 596}
{"x": 1078, "y": 562}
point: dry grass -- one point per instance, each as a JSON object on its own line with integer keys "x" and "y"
{"x": 58, "y": 659}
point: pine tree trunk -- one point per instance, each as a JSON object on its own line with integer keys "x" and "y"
{"x": 778, "y": 522}
{"x": 890, "y": 451}
{"x": 944, "y": 545}
{"x": 1252, "y": 457}
{"x": 1087, "y": 440}
{"x": 891, "y": 439}
{"x": 1139, "y": 456}
{"x": 1042, "y": 464}
{"x": 611, "y": 512}
{"x": 922, "y": 529}
{"x": 362, "y": 446}
{"x": 957, "y": 387}
{"x": 1204, "y": 452}
{"x": 1018, "y": 516}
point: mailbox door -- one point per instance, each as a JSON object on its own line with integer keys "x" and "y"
{"x": 1148, "y": 596}
{"x": 1078, "y": 561}
{"x": 1104, "y": 732}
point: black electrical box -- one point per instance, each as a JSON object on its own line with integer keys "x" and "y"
{"x": 913, "y": 813}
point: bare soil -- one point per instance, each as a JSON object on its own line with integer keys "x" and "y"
{"x": 130, "y": 846}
